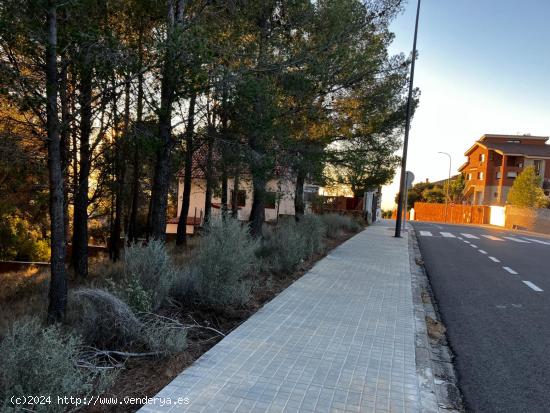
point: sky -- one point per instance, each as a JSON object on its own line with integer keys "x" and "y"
{"x": 483, "y": 67}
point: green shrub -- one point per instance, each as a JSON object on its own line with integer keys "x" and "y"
{"x": 103, "y": 320}
{"x": 41, "y": 361}
{"x": 20, "y": 240}
{"x": 106, "y": 322}
{"x": 336, "y": 224}
{"x": 151, "y": 266}
{"x": 314, "y": 230}
{"x": 283, "y": 247}
{"x": 221, "y": 262}
{"x": 164, "y": 336}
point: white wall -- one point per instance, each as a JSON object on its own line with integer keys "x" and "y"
{"x": 498, "y": 216}
{"x": 198, "y": 197}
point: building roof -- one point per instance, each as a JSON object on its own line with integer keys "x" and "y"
{"x": 525, "y": 136}
{"x": 519, "y": 149}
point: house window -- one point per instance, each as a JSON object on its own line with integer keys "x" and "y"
{"x": 241, "y": 197}
{"x": 538, "y": 166}
{"x": 481, "y": 157}
{"x": 480, "y": 175}
{"x": 499, "y": 174}
{"x": 511, "y": 174}
{"x": 491, "y": 155}
{"x": 270, "y": 200}
{"x": 469, "y": 177}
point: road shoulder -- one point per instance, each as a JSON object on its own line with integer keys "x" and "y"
{"x": 438, "y": 387}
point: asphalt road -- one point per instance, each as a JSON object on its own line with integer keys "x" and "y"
{"x": 494, "y": 299}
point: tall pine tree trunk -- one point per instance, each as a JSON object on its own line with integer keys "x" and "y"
{"x": 132, "y": 224}
{"x": 257, "y": 212}
{"x": 209, "y": 177}
{"x": 161, "y": 179}
{"x": 299, "y": 206}
{"x": 181, "y": 237}
{"x": 119, "y": 174}
{"x": 80, "y": 221}
{"x": 235, "y": 194}
{"x": 65, "y": 140}
{"x": 58, "y": 278}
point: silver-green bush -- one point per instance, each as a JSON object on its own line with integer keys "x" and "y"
{"x": 336, "y": 224}
{"x": 41, "y": 361}
{"x": 314, "y": 230}
{"x": 151, "y": 266}
{"x": 108, "y": 323}
{"x": 284, "y": 247}
{"x": 103, "y": 320}
{"x": 223, "y": 259}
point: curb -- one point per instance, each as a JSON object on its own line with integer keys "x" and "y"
{"x": 437, "y": 379}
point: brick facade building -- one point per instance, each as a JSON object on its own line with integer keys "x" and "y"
{"x": 494, "y": 161}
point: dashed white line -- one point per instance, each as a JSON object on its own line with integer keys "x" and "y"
{"x": 470, "y": 236}
{"x": 473, "y": 245}
{"x": 491, "y": 237}
{"x": 511, "y": 271}
{"x": 447, "y": 235}
{"x": 532, "y": 286}
{"x": 516, "y": 240}
{"x": 494, "y": 259}
{"x": 483, "y": 251}
{"x": 425, "y": 233}
{"x": 467, "y": 242}
{"x": 537, "y": 240}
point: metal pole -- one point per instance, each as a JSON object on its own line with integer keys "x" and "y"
{"x": 448, "y": 183}
{"x": 402, "y": 188}
{"x": 405, "y": 208}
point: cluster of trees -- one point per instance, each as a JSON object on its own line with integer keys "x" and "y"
{"x": 102, "y": 100}
{"x": 433, "y": 193}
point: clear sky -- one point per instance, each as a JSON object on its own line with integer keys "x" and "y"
{"x": 483, "y": 67}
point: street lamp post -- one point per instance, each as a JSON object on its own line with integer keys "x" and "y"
{"x": 402, "y": 188}
{"x": 448, "y": 183}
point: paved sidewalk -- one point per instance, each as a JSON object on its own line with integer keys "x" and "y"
{"x": 340, "y": 339}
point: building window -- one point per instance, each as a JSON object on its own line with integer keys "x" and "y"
{"x": 241, "y": 197}
{"x": 491, "y": 155}
{"x": 481, "y": 157}
{"x": 495, "y": 195}
{"x": 499, "y": 174}
{"x": 469, "y": 177}
{"x": 480, "y": 175}
{"x": 538, "y": 166}
{"x": 511, "y": 174}
{"x": 270, "y": 200}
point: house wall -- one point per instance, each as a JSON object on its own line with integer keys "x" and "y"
{"x": 284, "y": 187}
{"x": 475, "y": 166}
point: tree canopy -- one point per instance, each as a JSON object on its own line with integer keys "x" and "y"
{"x": 527, "y": 190}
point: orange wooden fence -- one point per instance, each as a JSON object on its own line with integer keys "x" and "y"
{"x": 452, "y": 214}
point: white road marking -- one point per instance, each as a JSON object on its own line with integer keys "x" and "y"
{"x": 425, "y": 233}
{"x": 516, "y": 240}
{"x": 532, "y": 286}
{"x": 447, "y": 235}
{"x": 470, "y": 236}
{"x": 511, "y": 271}
{"x": 482, "y": 251}
{"x": 467, "y": 242}
{"x": 491, "y": 237}
{"x": 537, "y": 240}
{"x": 494, "y": 259}
{"x": 473, "y": 246}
